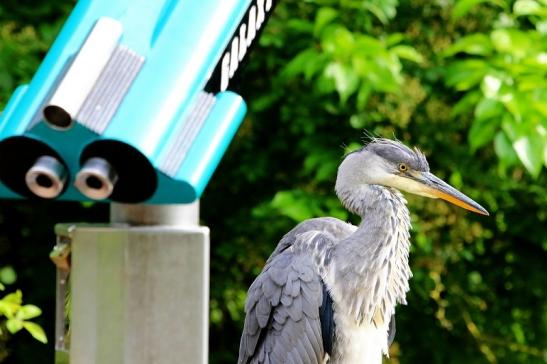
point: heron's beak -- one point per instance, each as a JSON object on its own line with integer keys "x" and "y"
{"x": 434, "y": 187}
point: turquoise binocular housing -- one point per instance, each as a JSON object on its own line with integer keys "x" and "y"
{"x": 132, "y": 103}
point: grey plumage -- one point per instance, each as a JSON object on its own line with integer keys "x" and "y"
{"x": 282, "y": 322}
{"x": 365, "y": 269}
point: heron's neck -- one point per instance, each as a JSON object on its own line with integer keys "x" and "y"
{"x": 373, "y": 261}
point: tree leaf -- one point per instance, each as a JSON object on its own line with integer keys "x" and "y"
{"x": 14, "y": 297}
{"x": 511, "y": 41}
{"x": 369, "y": 46}
{"x": 28, "y": 312}
{"x": 482, "y": 131}
{"x": 531, "y": 82}
{"x": 407, "y": 52}
{"x": 463, "y": 7}
{"x": 13, "y": 325}
{"x": 466, "y": 103}
{"x": 504, "y": 149}
{"x": 325, "y": 16}
{"x": 8, "y": 309}
{"x": 488, "y": 108}
{"x": 463, "y": 75}
{"x": 345, "y": 79}
{"x": 338, "y": 41}
{"x": 540, "y": 108}
{"x": 379, "y": 76}
{"x": 322, "y": 163}
{"x": 294, "y": 205}
{"x": 530, "y": 152}
{"x": 363, "y": 95}
{"x": 382, "y": 13}
{"x": 516, "y": 104}
{"x": 529, "y": 7}
{"x": 476, "y": 44}
{"x": 8, "y": 275}
{"x": 394, "y": 39}
{"x": 36, "y": 331}
{"x": 304, "y": 62}
{"x": 300, "y": 26}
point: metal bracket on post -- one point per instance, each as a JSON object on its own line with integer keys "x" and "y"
{"x": 139, "y": 287}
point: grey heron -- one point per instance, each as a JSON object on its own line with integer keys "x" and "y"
{"x": 328, "y": 291}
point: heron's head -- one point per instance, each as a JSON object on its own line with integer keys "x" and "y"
{"x": 390, "y": 163}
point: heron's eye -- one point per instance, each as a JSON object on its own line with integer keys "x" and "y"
{"x": 403, "y": 167}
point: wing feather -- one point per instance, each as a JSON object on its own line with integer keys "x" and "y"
{"x": 282, "y": 323}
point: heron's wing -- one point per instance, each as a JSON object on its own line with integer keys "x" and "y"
{"x": 337, "y": 229}
{"x": 282, "y": 324}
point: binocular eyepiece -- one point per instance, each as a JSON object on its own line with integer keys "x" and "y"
{"x": 96, "y": 179}
{"x": 47, "y": 177}
{"x": 108, "y": 169}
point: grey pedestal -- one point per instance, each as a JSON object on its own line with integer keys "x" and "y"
{"x": 139, "y": 294}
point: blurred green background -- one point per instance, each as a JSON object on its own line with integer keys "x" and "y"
{"x": 463, "y": 80}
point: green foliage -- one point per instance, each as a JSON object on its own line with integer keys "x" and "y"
{"x": 347, "y": 61}
{"x": 503, "y": 74}
{"x": 463, "y": 80}
{"x": 17, "y": 315}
